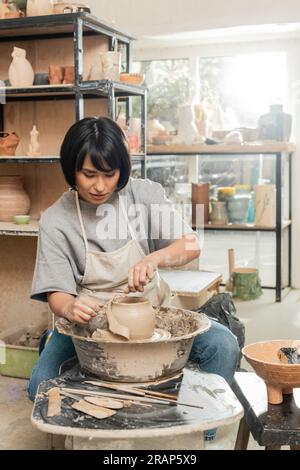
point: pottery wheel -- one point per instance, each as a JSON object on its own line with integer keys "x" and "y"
{"x": 107, "y": 336}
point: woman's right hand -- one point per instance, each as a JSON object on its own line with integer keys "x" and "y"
{"x": 81, "y": 309}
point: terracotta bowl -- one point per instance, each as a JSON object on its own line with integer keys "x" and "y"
{"x": 279, "y": 378}
{"x": 132, "y": 78}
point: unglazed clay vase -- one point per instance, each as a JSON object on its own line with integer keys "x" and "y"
{"x": 20, "y": 72}
{"x": 56, "y": 74}
{"x": 280, "y": 378}
{"x": 136, "y": 314}
{"x": 13, "y": 198}
{"x": 39, "y": 7}
{"x": 69, "y": 76}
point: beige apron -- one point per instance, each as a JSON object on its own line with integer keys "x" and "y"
{"x": 106, "y": 273}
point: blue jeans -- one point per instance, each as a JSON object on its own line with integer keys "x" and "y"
{"x": 215, "y": 351}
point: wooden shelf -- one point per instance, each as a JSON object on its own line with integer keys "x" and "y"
{"x": 137, "y": 157}
{"x": 271, "y": 147}
{"x": 243, "y": 227}
{"x": 95, "y": 88}
{"x": 28, "y": 230}
{"x": 60, "y": 25}
{"x": 27, "y": 159}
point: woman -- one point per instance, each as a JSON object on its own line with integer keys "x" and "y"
{"x": 107, "y": 235}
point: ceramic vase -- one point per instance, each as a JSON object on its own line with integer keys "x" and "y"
{"x": 69, "y": 76}
{"x": 56, "y": 74}
{"x": 265, "y": 205}
{"x": 39, "y": 7}
{"x": 218, "y": 214}
{"x": 20, "y": 72}
{"x": 276, "y": 125}
{"x": 135, "y": 313}
{"x": 200, "y": 204}
{"x": 238, "y": 208}
{"x": 13, "y": 198}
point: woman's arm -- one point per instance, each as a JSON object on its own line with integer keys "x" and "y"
{"x": 179, "y": 253}
{"x": 76, "y": 309}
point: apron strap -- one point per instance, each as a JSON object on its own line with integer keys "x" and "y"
{"x": 131, "y": 231}
{"x": 81, "y": 221}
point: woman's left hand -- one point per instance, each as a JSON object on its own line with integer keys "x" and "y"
{"x": 140, "y": 274}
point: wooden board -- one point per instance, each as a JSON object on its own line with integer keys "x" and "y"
{"x": 191, "y": 283}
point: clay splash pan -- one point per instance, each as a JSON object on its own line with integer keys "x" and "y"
{"x": 137, "y": 360}
{"x": 172, "y": 324}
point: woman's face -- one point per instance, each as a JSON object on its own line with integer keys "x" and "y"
{"x": 93, "y": 185}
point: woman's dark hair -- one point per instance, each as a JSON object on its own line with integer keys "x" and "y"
{"x": 104, "y": 141}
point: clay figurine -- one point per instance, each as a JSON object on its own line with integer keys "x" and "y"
{"x": 34, "y": 146}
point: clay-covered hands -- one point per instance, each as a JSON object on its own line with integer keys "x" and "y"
{"x": 82, "y": 309}
{"x": 140, "y": 274}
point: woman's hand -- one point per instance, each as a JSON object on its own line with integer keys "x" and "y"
{"x": 81, "y": 309}
{"x": 140, "y": 274}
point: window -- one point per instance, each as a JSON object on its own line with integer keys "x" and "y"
{"x": 240, "y": 88}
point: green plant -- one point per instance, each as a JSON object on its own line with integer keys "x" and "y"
{"x": 168, "y": 88}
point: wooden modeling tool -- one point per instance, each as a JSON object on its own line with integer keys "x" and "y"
{"x": 231, "y": 265}
{"x": 54, "y": 402}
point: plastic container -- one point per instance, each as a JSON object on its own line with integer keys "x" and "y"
{"x": 16, "y": 361}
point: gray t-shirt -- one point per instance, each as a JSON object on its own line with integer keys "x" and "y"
{"x": 61, "y": 254}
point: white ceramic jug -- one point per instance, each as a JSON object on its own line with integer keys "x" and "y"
{"x": 20, "y": 72}
{"x": 39, "y": 7}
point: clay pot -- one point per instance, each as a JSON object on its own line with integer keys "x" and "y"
{"x": 20, "y": 72}
{"x": 200, "y": 196}
{"x": 218, "y": 214}
{"x": 280, "y": 378}
{"x": 8, "y": 143}
{"x": 56, "y": 74}
{"x": 13, "y": 198}
{"x": 69, "y": 77}
{"x": 135, "y": 313}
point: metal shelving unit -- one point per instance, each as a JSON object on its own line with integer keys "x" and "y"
{"x": 277, "y": 149}
{"x": 75, "y": 26}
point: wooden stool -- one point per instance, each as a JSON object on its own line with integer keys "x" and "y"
{"x": 272, "y": 426}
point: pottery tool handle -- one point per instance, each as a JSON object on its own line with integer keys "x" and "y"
{"x": 231, "y": 260}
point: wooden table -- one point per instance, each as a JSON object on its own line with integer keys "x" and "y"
{"x": 160, "y": 427}
{"x": 272, "y": 426}
{"x": 191, "y": 289}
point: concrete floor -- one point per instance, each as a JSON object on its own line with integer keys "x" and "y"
{"x": 263, "y": 319}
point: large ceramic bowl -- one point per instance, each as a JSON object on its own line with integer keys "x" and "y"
{"x": 139, "y": 360}
{"x": 280, "y": 378}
